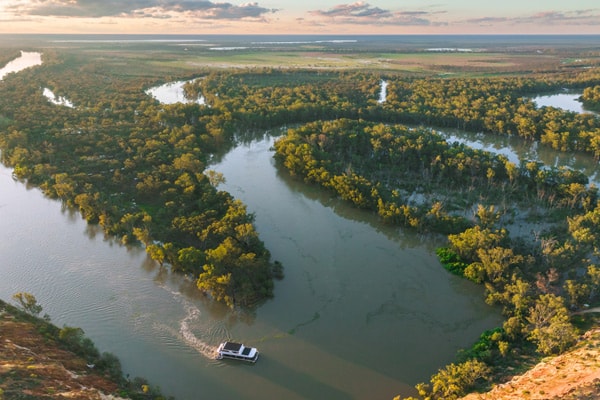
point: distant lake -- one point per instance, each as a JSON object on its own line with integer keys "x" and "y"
{"x": 172, "y": 92}
{"x": 57, "y": 100}
{"x": 27, "y": 59}
{"x": 455, "y": 43}
{"x": 565, "y": 101}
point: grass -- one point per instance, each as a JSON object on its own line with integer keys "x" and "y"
{"x": 135, "y": 60}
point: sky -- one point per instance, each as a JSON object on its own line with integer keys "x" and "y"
{"x": 301, "y": 16}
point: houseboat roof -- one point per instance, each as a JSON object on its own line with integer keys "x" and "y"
{"x": 232, "y": 346}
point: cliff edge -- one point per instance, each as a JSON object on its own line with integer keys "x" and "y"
{"x": 569, "y": 376}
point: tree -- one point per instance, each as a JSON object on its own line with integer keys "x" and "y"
{"x": 549, "y": 325}
{"x": 487, "y": 216}
{"x": 455, "y": 380}
{"x": 467, "y": 243}
{"x": 577, "y": 292}
{"x": 28, "y": 303}
{"x": 494, "y": 265}
{"x": 516, "y": 297}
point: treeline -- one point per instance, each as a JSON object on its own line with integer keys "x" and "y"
{"x": 270, "y": 98}
{"x": 497, "y": 105}
{"x": 591, "y": 97}
{"x": 536, "y": 280}
{"x": 414, "y": 178}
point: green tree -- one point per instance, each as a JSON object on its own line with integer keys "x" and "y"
{"x": 454, "y": 380}
{"x": 488, "y": 216}
{"x": 494, "y": 265}
{"x": 28, "y": 303}
{"x": 577, "y": 292}
{"x": 467, "y": 243}
{"x": 549, "y": 325}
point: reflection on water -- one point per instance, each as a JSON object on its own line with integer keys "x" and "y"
{"x": 27, "y": 59}
{"x": 58, "y": 100}
{"x": 515, "y": 149}
{"x": 172, "y": 92}
{"x": 565, "y": 101}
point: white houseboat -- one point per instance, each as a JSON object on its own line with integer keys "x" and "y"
{"x": 236, "y": 351}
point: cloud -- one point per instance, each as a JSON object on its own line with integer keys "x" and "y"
{"x": 361, "y": 13}
{"x": 576, "y": 17}
{"x": 159, "y": 9}
{"x": 547, "y": 18}
{"x": 354, "y": 10}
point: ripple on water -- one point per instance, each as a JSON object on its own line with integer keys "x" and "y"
{"x": 193, "y": 331}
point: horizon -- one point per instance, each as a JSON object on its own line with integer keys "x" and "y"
{"x": 311, "y": 17}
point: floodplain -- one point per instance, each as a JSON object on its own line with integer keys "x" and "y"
{"x": 133, "y": 168}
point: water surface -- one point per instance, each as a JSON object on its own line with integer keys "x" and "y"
{"x": 172, "y": 92}
{"x": 26, "y": 60}
{"x": 568, "y": 101}
{"x": 57, "y": 100}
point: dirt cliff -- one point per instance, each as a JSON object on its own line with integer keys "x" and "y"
{"x": 569, "y": 376}
{"x": 36, "y": 366}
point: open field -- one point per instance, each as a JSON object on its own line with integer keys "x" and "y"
{"x": 410, "y": 55}
{"x": 411, "y": 63}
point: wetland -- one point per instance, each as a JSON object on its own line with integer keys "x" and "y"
{"x": 365, "y": 308}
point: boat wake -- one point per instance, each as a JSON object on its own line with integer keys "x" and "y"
{"x": 187, "y": 331}
{"x": 196, "y": 333}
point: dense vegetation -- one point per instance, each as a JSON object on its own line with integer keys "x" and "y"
{"x": 384, "y": 167}
{"x": 591, "y": 97}
{"x": 381, "y": 167}
{"x": 138, "y": 169}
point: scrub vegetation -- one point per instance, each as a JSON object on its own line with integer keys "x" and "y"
{"x": 39, "y": 360}
{"x": 139, "y": 169}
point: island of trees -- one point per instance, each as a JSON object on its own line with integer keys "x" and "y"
{"x": 139, "y": 169}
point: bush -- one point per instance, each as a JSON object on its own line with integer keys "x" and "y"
{"x": 451, "y": 261}
{"x": 455, "y": 380}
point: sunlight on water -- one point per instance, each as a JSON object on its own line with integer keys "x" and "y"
{"x": 383, "y": 93}
{"x": 27, "y": 59}
{"x": 57, "y": 100}
{"x": 172, "y": 92}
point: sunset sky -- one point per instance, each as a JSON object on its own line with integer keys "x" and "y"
{"x": 301, "y": 16}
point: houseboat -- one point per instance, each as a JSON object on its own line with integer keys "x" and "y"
{"x": 236, "y": 351}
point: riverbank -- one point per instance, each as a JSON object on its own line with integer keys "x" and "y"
{"x": 572, "y": 375}
{"x": 36, "y": 363}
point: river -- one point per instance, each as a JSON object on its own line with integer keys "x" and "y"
{"x": 26, "y": 60}
{"x": 364, "y": 310}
